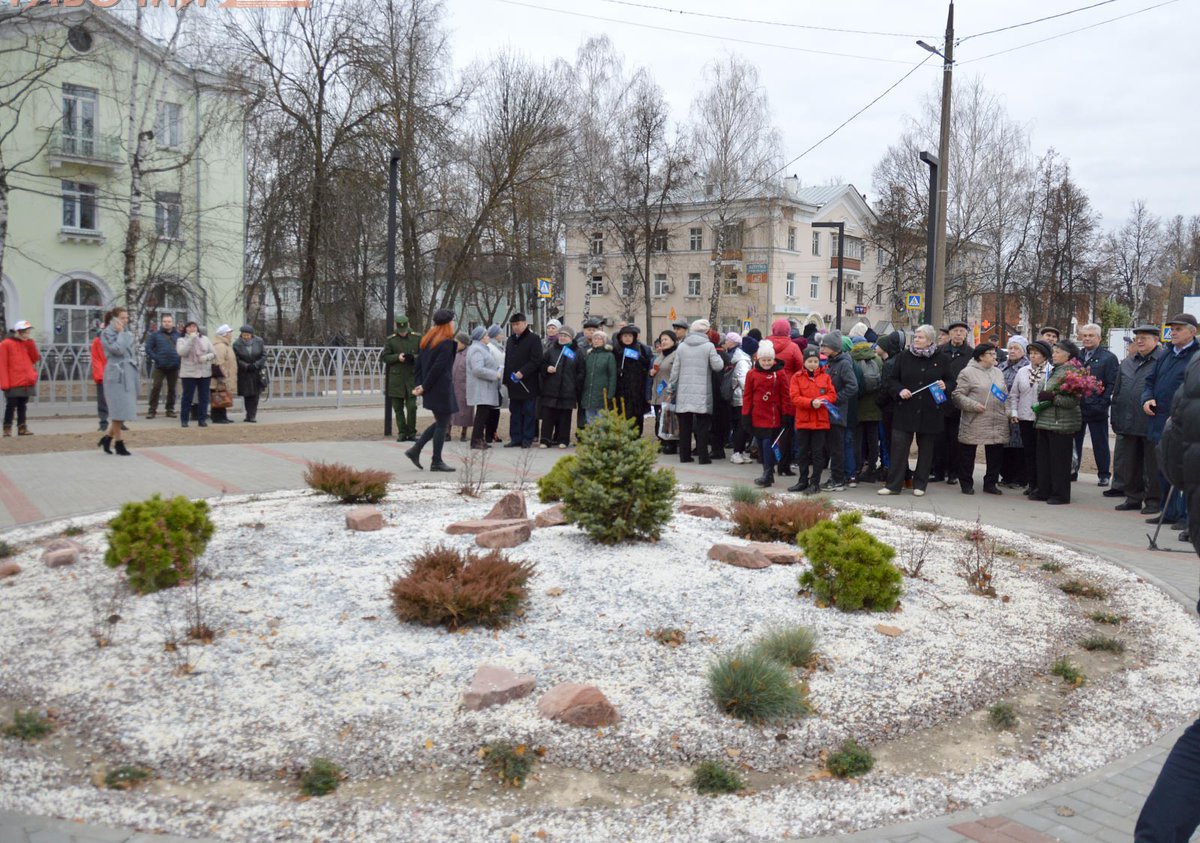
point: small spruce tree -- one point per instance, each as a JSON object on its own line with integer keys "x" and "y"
{"x": 851, "y": 569}
{"x": 157, "y": 541}
{"x": 617, "y": 493}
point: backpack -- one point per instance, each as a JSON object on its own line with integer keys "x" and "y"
{"x": 872, "y": 375}
{"x": 728, "y": 383}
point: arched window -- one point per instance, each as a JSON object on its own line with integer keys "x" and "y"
{"x": 167, "y": 299}
{"x": 77, "y": 312}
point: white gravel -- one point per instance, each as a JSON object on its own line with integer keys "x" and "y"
{"x": 311, "y": 661}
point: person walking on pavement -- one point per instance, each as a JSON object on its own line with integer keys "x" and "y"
{"x": 251, "y": 356}
{"x": 1135, "y": 461}
{"x": 399, "y": 357}
{"x": 917, "y": 409}
{"x": 982, "y": 401}
{"x": 690, "y": 389}
{"x": 1161, "y": 384}
{"x": 483, "y": 385}
{"x": 196, "y": 356}
{"x": 160, "y": 350}
{"x": 958, "y": 354}
{"x": 226, "y": 364}
{"x": 98, "y": 361}
{"x": 1104, "y": 366}
{"x": 435, "y": 387}
{"x": 522, "y": 360}
{"x": 120, "y": 379}
{"x": 18, "y": 375}
{"x": 845, "y": 384}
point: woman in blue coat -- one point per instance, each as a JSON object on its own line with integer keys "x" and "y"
{"x": 120, "y": 378}
{"x": 435, "y": 386}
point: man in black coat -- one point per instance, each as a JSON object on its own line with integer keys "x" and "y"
{"x": 1135, "y": 464}
{"x": 958, "y": 353}
{"x": 522, "y": 360}
{"x": 1104, "y": 366}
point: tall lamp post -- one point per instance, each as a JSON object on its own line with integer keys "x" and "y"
{"x": 931, "y": 235}
{"x": 841, "y": 256}
{"x": 393, "y": 179}
{"x": 937, "y": 301}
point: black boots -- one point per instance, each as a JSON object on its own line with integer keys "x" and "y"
{"x": 414, "y": 457}
{"x": 439, "y": 466}
{"x": 104, "y": 443}
{"x": 121, "y": 448}
{"x": 767, "y": 479}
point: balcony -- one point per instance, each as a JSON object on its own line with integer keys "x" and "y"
{"x": 851, "y": 264}
{"x": 102, "y": 153}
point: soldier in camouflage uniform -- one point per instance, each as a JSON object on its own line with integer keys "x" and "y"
{"x": 400, "y": 356}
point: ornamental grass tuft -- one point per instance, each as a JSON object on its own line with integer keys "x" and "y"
{"x": 753, "y": 687}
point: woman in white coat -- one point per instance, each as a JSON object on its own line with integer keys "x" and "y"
{"x": 1029, "y": 382}
{"x": 196, "y": 356}
{"x": 483, "y": 384}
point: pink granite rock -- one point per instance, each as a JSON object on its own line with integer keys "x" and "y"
{"x": 483, "y": 525}
{"x": 9, "y": 569}
{"x": 494, "y": 685}
{"x": 59, "y": 557}
{"x": 508, "y": 507}
{"x": 510, "y": 536}
{"x": 700, "y": 510}
{"x": 552, "y": 517}
{"x": 778, "y": 553}
{"x": 739, "y": 556}
{"x": 365, "y": 519}
{"x": 578, "y": 705}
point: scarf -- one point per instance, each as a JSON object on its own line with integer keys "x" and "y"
{"x": 195, "y": 351}
{"x": 927, "y": 351}
{"x": 1036, "y": 375}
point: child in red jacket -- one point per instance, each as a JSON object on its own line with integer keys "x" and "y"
{"x": 763, "y": 401}
{"x": 812, "y": 391}
{"x": 18, "y": 375}
{"x": 99, "y": 360}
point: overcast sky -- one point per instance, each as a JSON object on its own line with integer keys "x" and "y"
{"x": 1118, "y": 100}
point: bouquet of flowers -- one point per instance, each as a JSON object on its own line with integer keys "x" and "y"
{"x": 1077, "y": 383}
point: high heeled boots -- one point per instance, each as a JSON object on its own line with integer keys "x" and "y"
{"x": 121, "y": 448}
{"x": 105, "y": 442}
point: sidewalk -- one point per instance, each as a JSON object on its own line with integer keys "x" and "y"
{"x": 1101, "y": 806}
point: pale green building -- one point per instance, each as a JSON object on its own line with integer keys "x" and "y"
{"x": 69, "y": 157}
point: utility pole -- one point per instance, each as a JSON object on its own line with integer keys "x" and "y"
{"x": 931, "y": 230}
{"x": 938, "y": 303}
{"x": 393, "y": 178}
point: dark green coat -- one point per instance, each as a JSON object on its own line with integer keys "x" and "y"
{"x": 400, "y": 377}
{"x": 600, "y": 378}
{"x": 1063, "y": 415}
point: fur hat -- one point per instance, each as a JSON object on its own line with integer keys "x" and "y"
{"x": 443, "y": 316}
{"x": 766, "y": 351}
{"x": 462, "y": 338}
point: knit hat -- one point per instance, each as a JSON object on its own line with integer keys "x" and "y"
{"x": 733, "y": 337}
{"x": 494, "y": 331}
{"x": 780, "y": 328}
{"x": 1019, "y": 340}
{"x": 247, "y": 329}
{"x": 564, "y": 331}
{"x": 812, "y": 351}
{"x": 554, "y": 323}
{"x": 601, "y": 335}
{"x": 224, "y": 331}
{"x": 1041, "y": 347}
{"x": 794, "y": 333}
{"x": 855, "y": 339}
{"x": 847, "y": 344}
{"x": 478, "y": 334}
{"x": 832, "y": 339}
{"x": 629, "y": 329}
{"x": 700, "y": 326}
{"x": 443, "y": 316}
{"x": 749, "y": 345}
{"x": 463, "y": 338}
{"x": 766, "y": 351}
{"x": 801, "y": 343}
{"x": 754, "y": 332}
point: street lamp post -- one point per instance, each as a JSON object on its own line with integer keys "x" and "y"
{"x": 937, "y": 301}
{"x": 841, "y": 256}
{"x": 931, "y": 235}
{"x": 393, "y": 179}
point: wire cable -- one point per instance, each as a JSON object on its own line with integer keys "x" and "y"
{"x": 1035, "y": 20}
{"x": 768, "y": 22}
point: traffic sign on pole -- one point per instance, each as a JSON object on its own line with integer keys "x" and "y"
{"x": 545, "y": 288}
{"x": 914, "y": 301}
{"x": 746, "y": 326}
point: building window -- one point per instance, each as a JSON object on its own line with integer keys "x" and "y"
{"x": 660, "y": 241}
{"x": 859, "y": 293}
{"x": 168, "y": 208}
{"x": 789, "y": 288}
{"x": 79, "y": 121}
{"x": 77, "y": 312}
{"x": 693, "y": 289}
{"x": 662, "y": 287}
{"x": 168, "y": 299}
{"x": 729, "y": 237}
{"x": 597, "y": 245}
{"x": 880, "y": 258}
{"x": 166, "y": 130}
{"x": 816, "y": 243}
{"x": 731, "y": 285}
{"x": 696, "y": 239}
{"x": 879, "y": 293}
{"x": 79, "y": 206}
{"x": 814, "y": 286}
{"x": 628, "y": 288}
{"x": 597, "y": 285}
{"x": 791, "y": 238}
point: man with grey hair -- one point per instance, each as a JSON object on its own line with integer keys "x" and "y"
{"x": 1104, "y": 366}
{"x": 1135, "y": 463}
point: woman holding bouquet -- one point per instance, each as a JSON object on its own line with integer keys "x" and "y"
{"x": 1058, "y": 420}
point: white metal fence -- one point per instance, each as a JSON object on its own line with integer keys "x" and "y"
{"x": 324, "y": 375}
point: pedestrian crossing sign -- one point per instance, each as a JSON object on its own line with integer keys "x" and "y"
{"x": 545, "y": 290}
{"x": 746, "y": 326}
{"x": 914, "y": 301}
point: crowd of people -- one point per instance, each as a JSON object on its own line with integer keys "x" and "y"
{"x": 826, "y": 410}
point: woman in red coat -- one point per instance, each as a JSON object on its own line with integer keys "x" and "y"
{"x": 99, "y": 358}
{"x": 763, "y": 401}
{"x": 18, "y": 375}
{"x": 812, "y": 393}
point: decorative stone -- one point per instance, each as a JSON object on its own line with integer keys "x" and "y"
{"x": 508, "y": 507}
{"x": 60, "y": 557}
{"x": 552, "y": 517}
{"x": 739, "y": 556}
{"x": 889, "y": 631}
{"x": 578, "y": 705}
{"x": 510, "y": 536}
{"x": 365, "y": 519}
{"x": 494, "y": 685}
{"x": 62, "y": 544}
{"x": 700, "y": 510}
{"x": 9, "y": 569}
{"x": 779, "y": 554}
{"x": 483, "y": 526}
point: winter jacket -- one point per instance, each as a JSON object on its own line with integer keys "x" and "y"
{"x": 787, "y": 352}
{"x": 1023, "y": 395}
{"x": 920, "y": 413}
{"x": 522, "y": 353}
{"x": 763, "y": 398}
{"x": 120, "y": 373}
{"x": 691, "y": 376}
{"x": 988, "y": 426}
{"x": 805, "y": 388}
{"x": 98, "y": 360}
{"x": 1009, "y": 370}
{"x": 863, "y": 354}
{"x": 1104, "y": 366}
{"x": 1180, "y": 448}
{"x": 160, "y": 348}
{"x": 464, "y": 416}
{"x": 845, "y": 384}
{"x": 1161, "y": 383}
{"x": 435, "y": 375}
{"x": 401, "y": 374}
{"x": 223, "y": 348}
{"x": 251, "y": 359}
{"x": 658, "y": 384}
{"x": 561, "y": 390}
{"x": 1063, "y": 414}
{"x": 599, "y": 378}
{"x": 196, "y": 356}
{"x": 633, "y": 370}
{"x": 1128, "y": 417}
{"x": 893, "y": 344}
{"x": 957, "y": 356}
{"x": 18, "y": 365}
{"x": 483, "y": 376}
{"x": 741, "y": 367}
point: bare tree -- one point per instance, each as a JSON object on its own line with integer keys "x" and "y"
{"x": 1133, "y": 254}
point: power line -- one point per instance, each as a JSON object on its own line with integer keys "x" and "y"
{"x": 768, "y": 22}
{"x": 701, "y": 34}
{"x": 1036, "y": 20}
{"x": 1070, "y": 32}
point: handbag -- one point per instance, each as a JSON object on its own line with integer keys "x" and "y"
{"x": 668, "y": 423}
{"x": 264, "y": 379}
{"x": 1014, "y": 436}
{"x": 216, "y": 371}
{"x": 221, "y": 399}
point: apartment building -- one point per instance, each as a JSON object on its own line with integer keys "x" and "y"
{"x": 767, "y": 257}
{"x": 70, "y": 183}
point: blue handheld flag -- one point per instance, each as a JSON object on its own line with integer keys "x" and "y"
{"x": 662, "y": 387}
{"x": 632, "y": 353}
{"x": 1000, "y": 394}
{"x": 568, "y": 352}
{"x": 938, "y": 395}
{"x": 832, "y": 409}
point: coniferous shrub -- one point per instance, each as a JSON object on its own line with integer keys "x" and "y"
{"x": 618, "y": 494}
{"x": 346, "y": 483}
{"x": 851, "y": 569}
{"x": 778, "y": 519}
{"x": 157, "y": 540}
{"x": 555, "y": 482}
{"x": 713, "y": 777}
{"x": 449, "y": 587}
{"x": 321, "y": 777}
{"x": 753, "y": 687}
{"x": 851, "y": 762}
